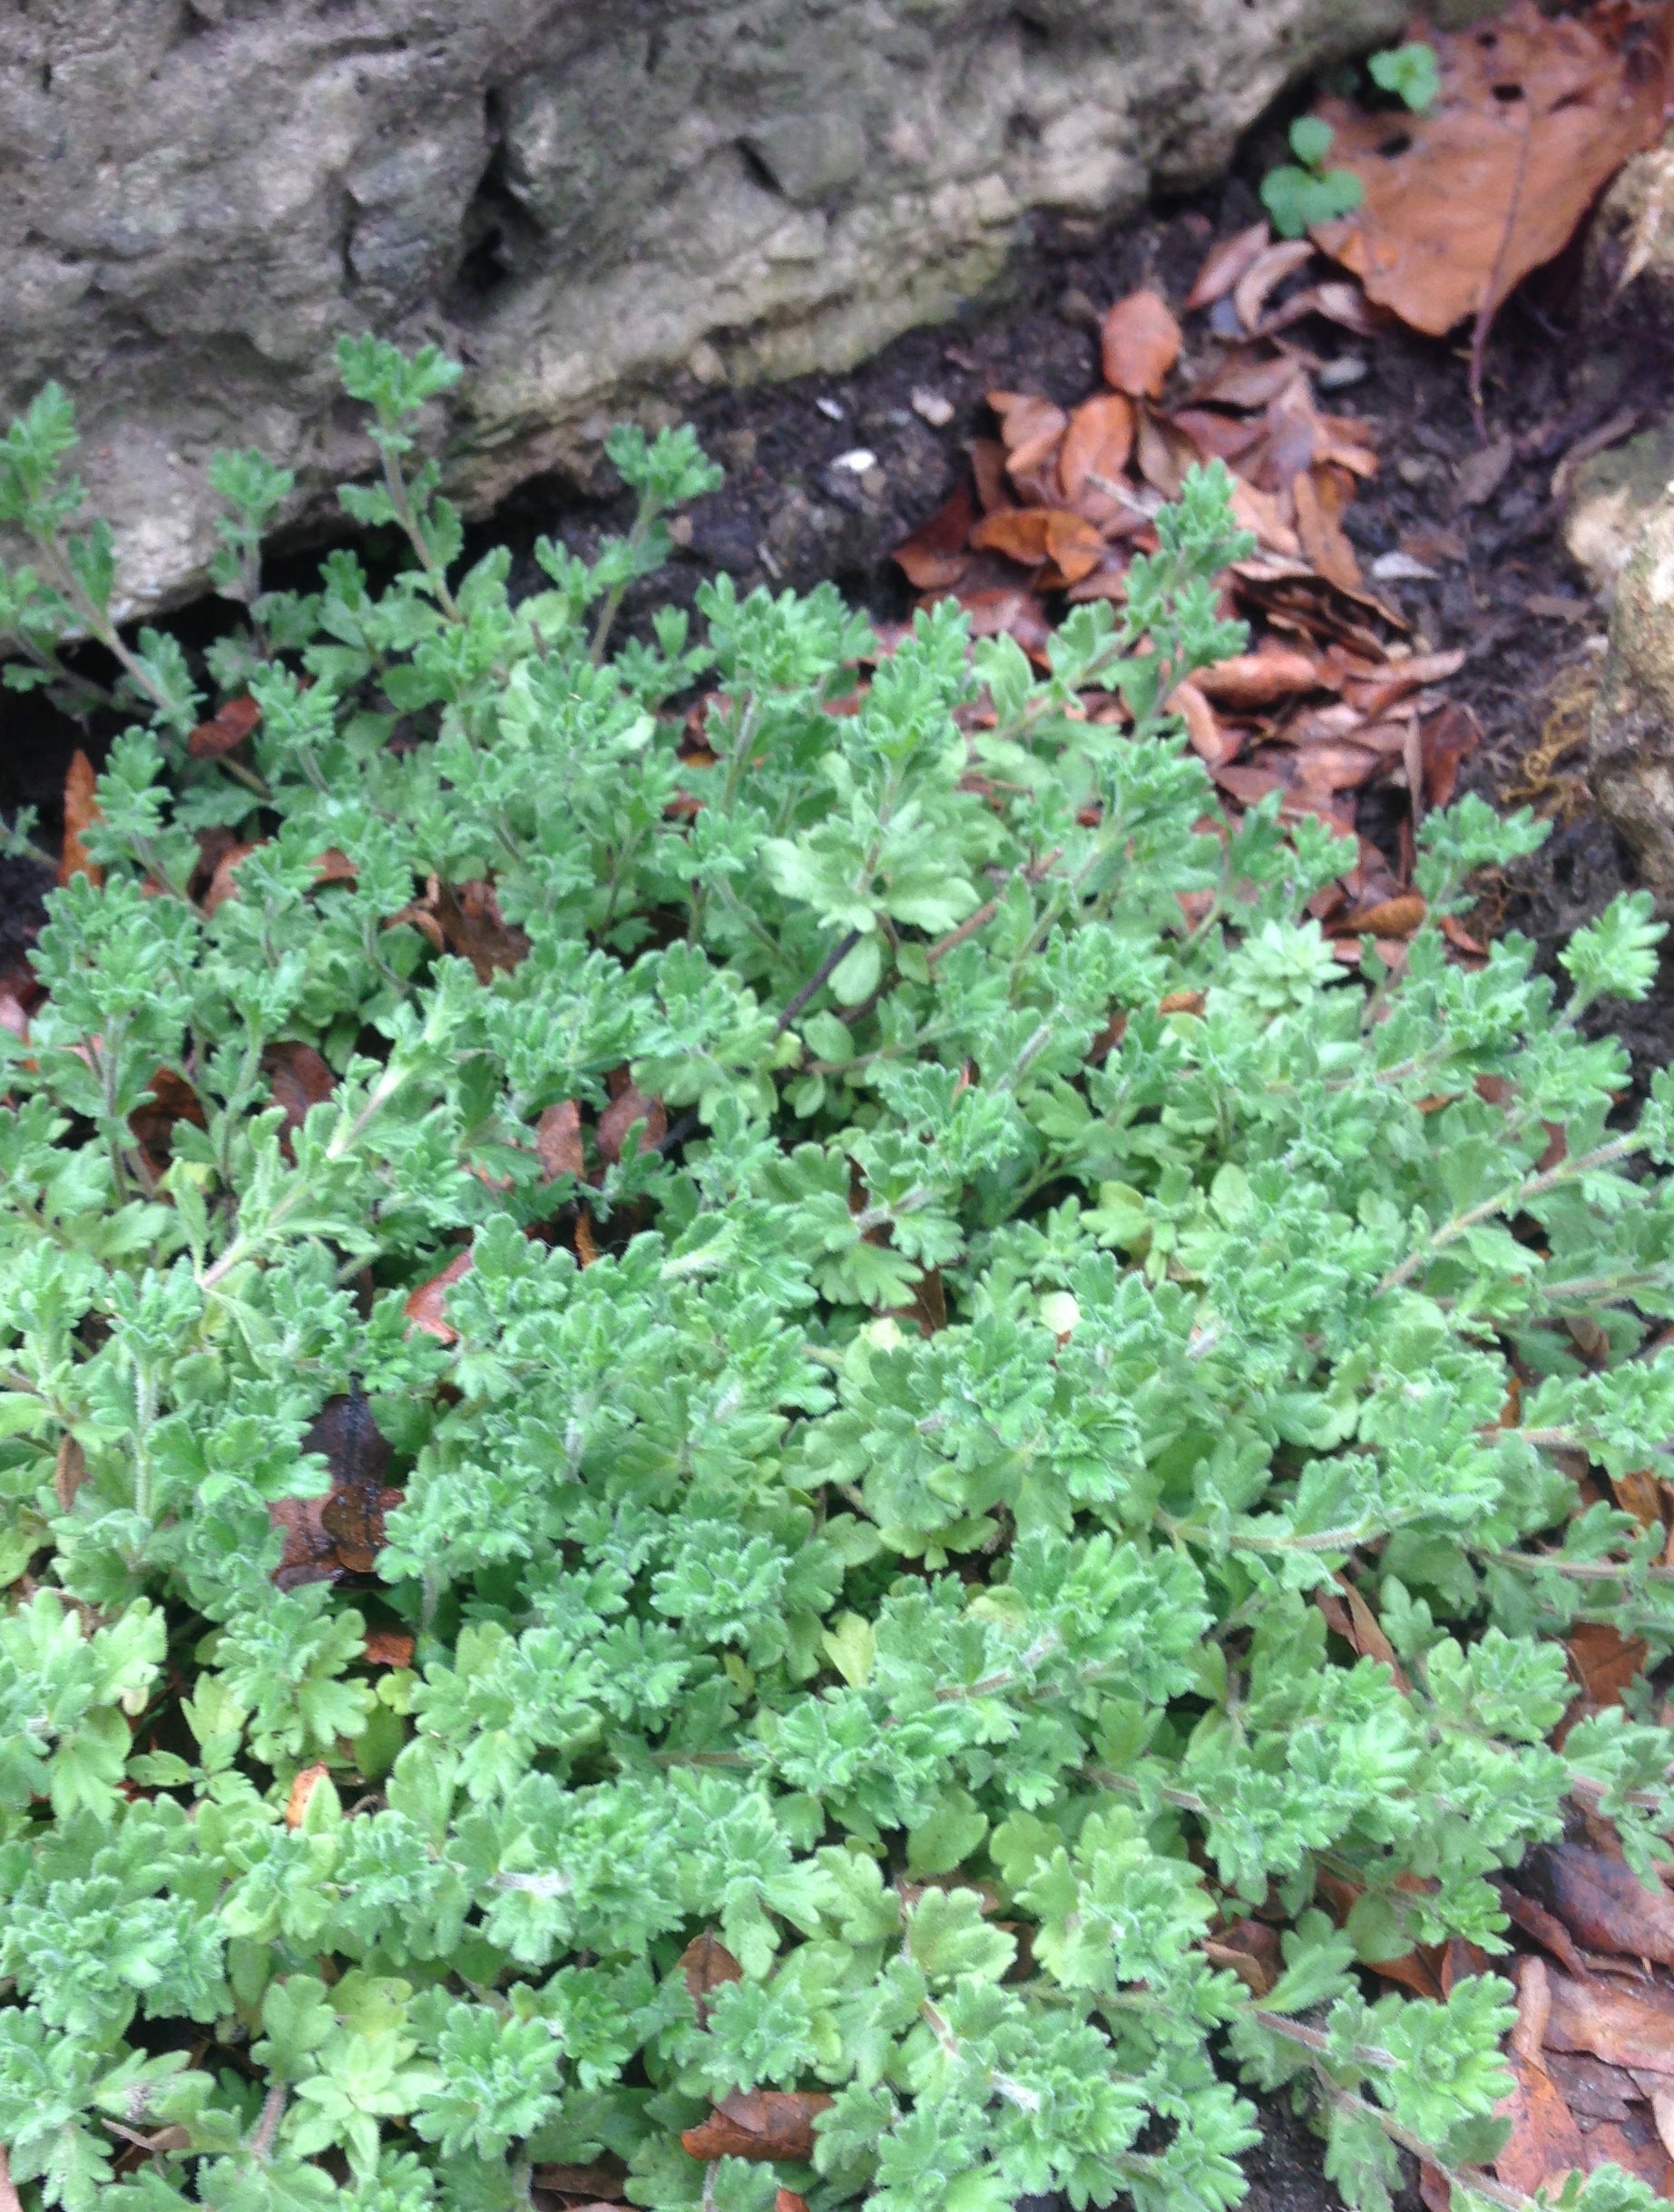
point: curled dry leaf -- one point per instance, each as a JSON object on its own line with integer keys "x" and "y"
{"x": 1034, "y": 534}
{"x": 619, "y": 1117}
{"x": 760, "y": 2125}
{"x": 69, "y": 1471}
{"x": 388, "y": 1648}
{"x": 1225, "y": 263}
{"x": 1256, "y": 680}
{"x": 1632, "y": 2027}
{"x": 1265, "y": 275}
{"x": 301, "y": 1789}
{"x": 707, "y": 1966}
{"x": 1602, "y": 1902}
{"x": 937, "y": 555}
{"x": 1139, "y": 344}
{"x": 1320, "y": 500}
{"x": 1603, "y": 1661}
{"x": 1098, "y": 443}
{"x": 558, "y": 1141}
{"x": 603, "y": 2181}
{"x": 300, "y": 1079}
{"x": 426, "y": 1307}
{"x": 223, "y": 885}
{"x": 225, "y": 730}
{"x": 1204, "y": 733}
{"x": 471, "y": 925}
{"x": 788, "y": 2200}
{"x": 1390, "y": 917}
{"x": 1534, "y": 115}
{"x": 1544, "y": 2143}
{"x": 80, "y": 810}
{"x": 1531, "y": 1916}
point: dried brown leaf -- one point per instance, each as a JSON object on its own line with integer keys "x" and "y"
{"x": 1138, "y": 343}
{"x": 558, "y": 1141}
{"x": 1099, "y": 442}
{"x": 707, "y": 1966}
{"x": 1258, "y": 679}
{"x": 759, "y": 2124}
{"x": 1225, "y": 263}
{"x": 937, "y": 552}
{"x": 388, "y": 1648}
{"x": 426, "y": 1307}
{"x": 1534, "y": 115}
{"x": 302, "y": 1788}
{"x": 1632, "y": 2026}
{"x": 225, "y": 730}
{"x": 1603, "y": 1661}
{"x": 1262, "y": 278}
{"x": 299, "y": 1078}
{"x": 1602, "y": 1902}
{"x": 80, "y": 810}
{"x": 1544, "y": 2143}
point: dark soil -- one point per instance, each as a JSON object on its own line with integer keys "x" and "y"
{"x": 787, "y": 516}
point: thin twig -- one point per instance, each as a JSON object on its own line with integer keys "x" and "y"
{"x": 827, "y": 967}
{"x": 986, "y": 911}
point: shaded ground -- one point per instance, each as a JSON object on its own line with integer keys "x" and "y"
{"x": 1505, "y": 589}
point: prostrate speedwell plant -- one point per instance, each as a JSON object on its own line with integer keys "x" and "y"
{"x": 857, "y": 1540}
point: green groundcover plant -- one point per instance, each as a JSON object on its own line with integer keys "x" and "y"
{"x": 894, "y": 1555}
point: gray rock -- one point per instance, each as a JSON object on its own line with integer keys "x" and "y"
{"x": 1609, "y": 500}
{"x": 1631, "y": 753}
{"x": 597, "y": 204}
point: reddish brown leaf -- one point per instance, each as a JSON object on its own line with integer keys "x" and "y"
{"x": 69, "y": 1472}
{"x": 1623, "y": 2026}
{"x": 1445, "y": 740}
{"x": 1097, "y": 444}
{"x": 1249, "y": 377}
{"x": 342, "y": 1532}
{"x": 1434, "y": 2189}
{"x": 1603, "y": 1904}
{"x": 426, "y": 1307}
{"x": 222, "y": 885}
{"x": 1603, "y": 1661}
{"x": 1321, "y": 503}
{"x": 558, "y": 1141}
{"x": 302, "y": 1788}
{"x": 707, "y": 1966}
{"x": 1639, "y": 1492}
{"x": 1250, "y": 1949}
{"x": 1258, "y": 679}
{"x": 603, "y": 2182}
{"x": 937, "y": 554}
{"x": 1544, "y": 2143}
{"x": 1390, "y": 917}
{"x": 1016, "y": 614}
{"x": 759, "y": 2124}
{"x": 1204, "y": 733}
{"x": 788, "y": 2201}
{"x": 388, "y": 1648}
{"x": 586, "y": 1248}
{"x": 988, "y": 473}
{"x": 471, "y": 924}
{"x": 1139, "y": 344}
{"x": 80, "y": 810}
{"x": 1226, "y": 263}
{"x": 227, "y": 729}
{"x": 332, "y": 866}
{"x": 299, "y": 1078}
{"x": 1531, "y": 1917}
{"x": 1264, "y": 276}
{"x": 619, "y": 1117}
{"x": 1463, "y": 202}
{"x": 1036, "y": 534}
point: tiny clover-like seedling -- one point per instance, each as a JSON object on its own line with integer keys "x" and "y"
{"x": 1300, "y": 193}
{"x": 1410, "y": 72}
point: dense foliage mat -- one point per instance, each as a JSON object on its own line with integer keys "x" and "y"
{"x": 807, "y": 1635}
